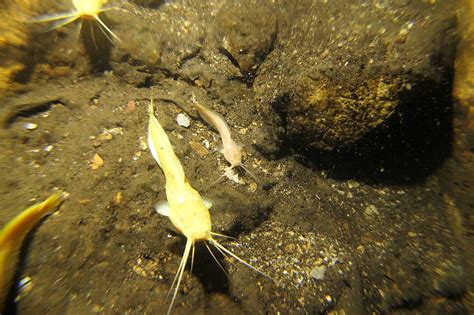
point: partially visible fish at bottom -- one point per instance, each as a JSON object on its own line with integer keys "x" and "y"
{"x": 12, "y": 236}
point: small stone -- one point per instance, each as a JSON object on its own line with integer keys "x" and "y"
{"x": 290, "y": 248}
{"x": 199, "y": 148}
{"x": 243, "y": 131}
{"x": 137, "y": 155}
{"x": 183, "y": 120}
{"x": 318, "y": 272}
{"x": 402, "y": 36}
{"x": 143, "y": 145}
{"x": 253, "y": 187}
{"x": 412, "y": 234}
{"x": 131, "y": 106}
{"x": 371, "y": 211}
{"x": 118, "y": 198}
{"x": 96, "y": 308}
{"x": 30, "y": 126}
{"x": 96, "y": 162}
{"x": 105, "y": 136}
{"x": 48, "y": 148}
{"x": 352, "y": 184}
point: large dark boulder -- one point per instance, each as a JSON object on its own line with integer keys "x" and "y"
{"x": 341, "y": 69}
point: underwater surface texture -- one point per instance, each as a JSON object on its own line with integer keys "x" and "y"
{"x": 320, "y": 157}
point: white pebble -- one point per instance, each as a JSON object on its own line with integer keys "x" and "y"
{"x": 30, "y": 126}
{"x": 183, "y": 120}
{"x": 318, "y": 272}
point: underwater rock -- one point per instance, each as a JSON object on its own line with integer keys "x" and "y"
{"x": 246, "y": 32}
{"x": 318, "y": 272}
{"x": 13, "y": 39}
{"x": 332, "y": 78}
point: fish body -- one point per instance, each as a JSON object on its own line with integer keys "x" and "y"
{"x": 187, "y": 209}
{"x": 188, "y": 212}
{"x": 231, "y": 150}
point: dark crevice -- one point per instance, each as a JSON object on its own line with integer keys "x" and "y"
{"x": 146, "y": 83}
{"x": 229, "y": 56}
{"x": 407, "y": 304}
{"x": 31, "y": 109}
{"x": 204, "y": 267}
{"x": 97, "y": 45}
{"x": 246, "y": 224}
{"x": 261, "y": 57}
{"x": 176, "y": 76}
{"x": 405, "y": 149}
{"x": 278, "y": 136}
{"x": 152, "y": 4}
{"x": 189, "y": 57}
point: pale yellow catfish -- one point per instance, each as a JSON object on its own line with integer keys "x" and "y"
{"x": 188, "y": 212}
{"x": 12, "y": 236}
{"x": 84, "y": 9}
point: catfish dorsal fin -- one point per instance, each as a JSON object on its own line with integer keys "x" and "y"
{"x": 152, "y": 125}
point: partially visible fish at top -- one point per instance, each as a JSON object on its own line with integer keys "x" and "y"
{"x": 84, "y": 9}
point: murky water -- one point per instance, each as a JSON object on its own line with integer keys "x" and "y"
{"x": 355, "y": 120}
